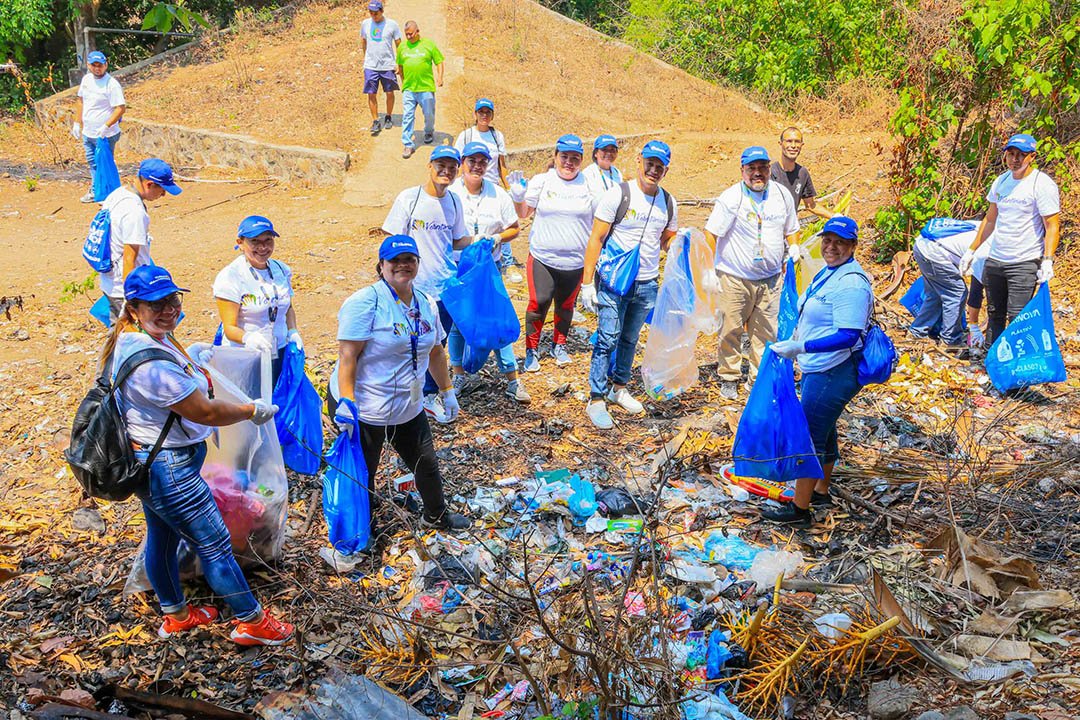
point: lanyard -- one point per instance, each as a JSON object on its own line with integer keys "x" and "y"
{"x": 610, "y": 175}
{"x": 476, "y": 205}
{"x": 272, "y": 303}
{"x": 414, "y": 333}
{"x": 759, "y": 213}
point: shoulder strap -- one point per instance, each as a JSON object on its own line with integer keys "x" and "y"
{"x": 408, "y": 220}
{"x": 670, "y": 202}
{"x": 620, "y": 212}
{"x": 140, "y": 357}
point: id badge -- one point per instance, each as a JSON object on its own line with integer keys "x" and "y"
{"x": 414, "y": 390}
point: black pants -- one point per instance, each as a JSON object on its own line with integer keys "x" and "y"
{"x": 1009, "y": 287}
{"x": 413, "y": 443}
{"x": 975, "y": 294}
{"x": 547, "y": 285}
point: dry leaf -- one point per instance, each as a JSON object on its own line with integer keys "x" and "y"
{"x": 1024, "y": 600}
{"x": 993, "y": 649}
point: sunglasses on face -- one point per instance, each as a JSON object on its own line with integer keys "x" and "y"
{"x": 170, "y": 301}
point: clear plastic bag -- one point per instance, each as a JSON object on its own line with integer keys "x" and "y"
{"x": 708, "y": 316}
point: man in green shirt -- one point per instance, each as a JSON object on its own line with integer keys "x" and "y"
{"x": 415, "y": 59}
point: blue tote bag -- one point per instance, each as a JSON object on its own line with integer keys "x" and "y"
{"x": 345, "y": 494}
{"x": 1027, "y": 353}
{"x": 299, "y": 416}
{"x": 619, "y": 270}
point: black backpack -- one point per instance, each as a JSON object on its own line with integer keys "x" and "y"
{"x": 100, "y": 453}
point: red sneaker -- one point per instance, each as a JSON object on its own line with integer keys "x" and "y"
{"x": 268, "y": 631}
{"x": 196, "y": 616}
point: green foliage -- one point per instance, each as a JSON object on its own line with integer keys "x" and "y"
{"x": 164, "y": 16}
{"x": 78, "y": 288}
{"x": 21, "y": 23}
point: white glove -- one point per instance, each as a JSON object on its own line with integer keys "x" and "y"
{"x": 516, "y": 180}
{"x": 1046, "y": 271}
{"x": 345, "y": 416}
{"x": 76, "y": 131}
{"x": 294, "y": 338}
{"x": 264, "y": 411}
{"x": 975, "y": 336}
{"x": 254, "y": 340}
{"x": 104, "y": 129}
{"x": 587, "y": 297}
{"x": 789, "y": 349}
{"x": 205, "y": 356}
{"x": 450, "y": 404}
{"x": 794, "y": 252}
{"x": 966, "y": 261}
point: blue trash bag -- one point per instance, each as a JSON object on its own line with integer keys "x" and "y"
{"x": 478, "y": 302}
{"x": 1027, "y": 353}
{"x": 879, "y": 357}
{"x": 299, "y": 416}
{"x": 473, "y": 360}
{"x": 773, "y": 439}
{"x": 912, "y": 300}
{"x": 788, "y": 318}
{"x": 619, "y": 269}
{"x": 100, "y": 311}
{"x": 345, "y": 494}
{"x": 106, "y": 175}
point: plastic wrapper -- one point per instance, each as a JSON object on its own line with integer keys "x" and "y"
{"x": 245, "y": 472}
{"x": 770, "y": 564}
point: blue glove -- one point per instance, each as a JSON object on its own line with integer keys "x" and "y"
{"x": 345, "y": 417}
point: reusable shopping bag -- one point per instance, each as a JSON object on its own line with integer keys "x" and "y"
{"x": 478, "y": 302}
{"x": 788, "y": 317}
{"x": 879, "y": 356}
{"x": 106, "y": 175}
{"x": 299, "y": 415}
{"x": 1027, "y": 353}
{"x": 773, "y": 439}
{"x": 668, "y": 367}
{"x": 912, "y": 300}
{"x": 97, "y": 248}
{"x": 619, "y": 269}
{"x": 345, "y": 494}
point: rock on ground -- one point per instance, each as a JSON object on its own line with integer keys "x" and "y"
{"x": 890, "y": 700}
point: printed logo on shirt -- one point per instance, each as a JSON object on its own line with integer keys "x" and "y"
{"x": 419, "y": 224}
{"x": 248, "y": 300}
{"x": 402, "y": 330}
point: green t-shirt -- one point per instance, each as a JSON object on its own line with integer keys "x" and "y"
{"x": 417, "y": 60}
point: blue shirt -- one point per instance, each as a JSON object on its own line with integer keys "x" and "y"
{"x": 835, "y": 299}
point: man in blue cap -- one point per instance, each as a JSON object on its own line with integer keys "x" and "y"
{"x": 129, "y": 226}
{"x": 98, "y": 109}
{"x": 631, "y": 216}
{"x": 433, "y": 216}
{"x": 379, "y": 39}
{"x": 754, "y": 223}
{"x": 1025, "y": 223}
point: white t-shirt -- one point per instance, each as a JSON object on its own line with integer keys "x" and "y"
{"x": 146, "y": 395}
{"x": 734, "y": 222}
{"x": 435, "y": 223}
{"x": 1022, "y": 205}
{"x": 645, "y": 221}
{"x": 563, "y": 220}
{"x": 100, "y": 96}
{"x": 382, "y": 39}
{"x": 494, "y": 141}
{"x": 256, "y": 292}
{"x": 384, "y": 370}
{"x": 129, "y": 224}
{"x": 845, "y": 300}
{"x": 599, "y": 180}
{"x": 489, "y": 212}
{"x": 949, "y": 250}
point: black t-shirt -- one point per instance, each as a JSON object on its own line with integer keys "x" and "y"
{"x": 797, "y": 181}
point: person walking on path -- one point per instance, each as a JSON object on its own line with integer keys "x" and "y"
{"x": 389, "y": 336}
{"x": 751, "y": 226}
{"x": 99, "y": 106}
{"x": 794, "y": 176}
{"x": 834, "y": 313}
{"x": 646, "y": 222}
{"x": 602, "y": 175}
{"x": 129, "y": 226}
{"x": 489, "y": 213}
{"x": 171, "y": 398}
{"x": 420, "y": 67}
{"x": 379, "y": 39}
{"x": 254, "y": 296}
{"x": 1025, "y": 223}
{"x": 563, "y": 209}
{"x": 433, "y": 216}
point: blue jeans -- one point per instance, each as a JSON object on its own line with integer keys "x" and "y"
{"x": 943, "y": 302}
{"x": 90, "y": 147}
{"x": 455, "y": 344}
{"x": 426, "y": 101}
{"x": 824, "y": 396}
{"x": 179, "y": 506}
{"x": 430, "y": 386}
{"x": 619, "y": 321}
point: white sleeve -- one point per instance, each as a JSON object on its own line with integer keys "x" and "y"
{"x": 116, "y": 93}
{"x": 130, "y": 227}
{"x": 534, "y": 188}
{"x": 82, "y": 86}
{"x": 161, "y": 383}
{"x": 992, "y": 194}
{"x": 459, "y": 144}
{"x": 396, "y": 33}
{"x": 720, "y": 219}
{"x": 398, "y": 217}
{"x": 226, "y": 287}
{"x": 673, "y": 224}
{"x": 357, "y": 315}
{"x": 607, "y": 205}
{"x": 1047, "y": 196}
{"x": 507, "y": 213}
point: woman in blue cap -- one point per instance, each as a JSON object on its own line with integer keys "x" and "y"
{"x": 168, "y": 401}
{"x": 834, "y": 313}
{"x": 389, "y": 337}
{"x": 254, "y": 295}
{"x": 563, "y": 209}
{"x": 602, "y": 173}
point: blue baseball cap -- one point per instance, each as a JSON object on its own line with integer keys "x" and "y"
{"x": 149, "y": 283}
{"x": 484, "y": 103}
{"x": 476, "y": 148}
{"x": 753, "y": 154}
{"x": 569, "y": 143}
{"x": 657, "y": 149}
{"x": 158, "y": 171}
{"x": 375, "y": 5}
{"x": 605, "y": 140}
{"x": 1023, "y": 142}
{"x": 254, "y": 226}
{"x": 96, "y": 57}
{"x": 397, "y": 245}
{"x": 842, "y": 226}
{"x": 445, "y": 151}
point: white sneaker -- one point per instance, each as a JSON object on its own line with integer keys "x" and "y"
{"x": 459, "y": 382}
{"x": 561, "y": 356}
{"x": 597, "y": 412}
{"x": 433, "y": 407}
{"x": 516, "y": 391}
{"x": 625, "y": 400}
{"x": 88, "y": 197}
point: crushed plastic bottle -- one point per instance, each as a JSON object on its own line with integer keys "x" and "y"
{"x": 729, "y": 550}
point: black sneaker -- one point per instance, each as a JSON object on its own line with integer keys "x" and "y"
{"x": 387, "y": 122}
{"x": 376, "y": 127}
{"x": 448, "y": 521}
{"x": 789, "y": 514}
{"x": 821, "y": 499}
{"x": 428, "y": 137}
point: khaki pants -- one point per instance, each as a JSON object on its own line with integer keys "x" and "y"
{"x": 750, "y": 305}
